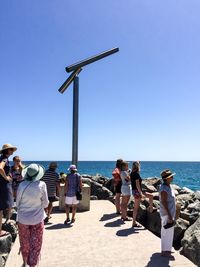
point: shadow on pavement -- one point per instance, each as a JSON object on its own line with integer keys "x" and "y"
{"x": 116, "y": 223}
{"x": 157, "y": 260}
{"x": 58, "y": 226}
{"x": 107, "y": 217}
{"x": 129, "y": 231}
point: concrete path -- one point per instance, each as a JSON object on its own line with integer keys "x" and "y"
{"x": 98, "y": 239}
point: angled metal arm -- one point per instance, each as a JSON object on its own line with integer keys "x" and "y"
{"x": 91, "y": 60}
{"x": 69, "y": 80}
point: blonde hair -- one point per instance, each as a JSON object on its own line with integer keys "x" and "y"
{"x": 123, "y": 165}
{"x": 136, "y": 166}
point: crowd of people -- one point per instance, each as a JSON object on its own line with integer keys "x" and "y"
{"x": 128, "y": 182}
{"x": 34, "y": 190}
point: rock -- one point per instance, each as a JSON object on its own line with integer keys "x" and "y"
{"x": 185, "y": 215}
{"x": 155, "y": 195}
{"x": 176, "y": 187}
{"x": 100, "y": 191}
{"x": 187, "y": 190}
{"x": 100, "y": 179}
{"x": 109, "y": 184}
{"x": 86, "y": 176}
{"x": 179, "y": 230}
{"x": 184, "y": 197}
{"x": 155, "y": 181}
{"x": 142, "y": 215}
{"x": 14, "y": 215}
{"x": 196, "y": 195}
{"x": 93, "y": 198}
{"x": 2, "y": 261}
{"x": 86, "y": 181}
{"x": 191, "y": 242}
{"x": 149, "y": 188}
{"x": 5, "y": 244}
{"x": 194, "y": 206}
{"x": 154, "y": 222}
{"x": 156, "y": 204}
{"x": 11, "y": 227}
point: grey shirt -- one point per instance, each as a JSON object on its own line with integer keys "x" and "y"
{"x": 171, "y": 201}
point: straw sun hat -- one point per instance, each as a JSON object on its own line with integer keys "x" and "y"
{"x": 167, "y": 174}
{"x": 7, "y": 146}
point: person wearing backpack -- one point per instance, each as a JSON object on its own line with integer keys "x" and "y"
{"x": 73, "y": 187}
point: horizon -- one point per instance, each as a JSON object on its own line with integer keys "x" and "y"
{"x": 140, "y": 103}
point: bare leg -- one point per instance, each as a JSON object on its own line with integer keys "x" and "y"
{"x": 73, "y": 212}
{"x": 117, "y": 202}
{"x": 8, "y": 214}
{"x": 49, "y": 209}
{"x": 67, "y": 211}
{"x": 125, "y": 200}
{"x": 135, "y": 210}
{"x": 150, "y": 197}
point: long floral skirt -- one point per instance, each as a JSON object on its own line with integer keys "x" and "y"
{"x": 30, "y": 237}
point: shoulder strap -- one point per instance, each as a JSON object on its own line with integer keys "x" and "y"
{"x": 23, "y": 194}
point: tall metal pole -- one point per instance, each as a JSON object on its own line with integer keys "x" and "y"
{"x": 75, "y": 120}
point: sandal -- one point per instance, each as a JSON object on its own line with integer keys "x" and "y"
{"x": 73, "y": 220}
{"x": 67, "y": 220}
{"x": 126, "y": 219}
{"x": 136, "y": 225}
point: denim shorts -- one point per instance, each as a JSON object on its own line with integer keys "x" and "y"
{"x": 126, "y": 190}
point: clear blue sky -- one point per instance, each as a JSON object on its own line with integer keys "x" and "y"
{"x": 141, "y": 103}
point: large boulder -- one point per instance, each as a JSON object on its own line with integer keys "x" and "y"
{"x": 196, "y": 195}
{"x": 153, "y": 181}
{"x": 2, "y": 261}
{"x": 100, "y": 191}
{"x": 5, "y": 244}
{"x": 179, "y": 230}
{"x": 86, "y": 180}
{"x": 176, "y": 187}
{"x": 148, "y": 188}
{"x": 11, "y": 227}
{"x": 191, "y": 242}
{"x": 154, "y": 222}
{"x": 109, "y": 184}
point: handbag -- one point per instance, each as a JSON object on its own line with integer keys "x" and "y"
{"x": 79, "y": 195}
{"x": 78, "y": 192}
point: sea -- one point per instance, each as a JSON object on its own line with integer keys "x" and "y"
{"x": 187, "y": 173}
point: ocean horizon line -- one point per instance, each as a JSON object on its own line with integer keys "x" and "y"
{"x": 184, "y": 161}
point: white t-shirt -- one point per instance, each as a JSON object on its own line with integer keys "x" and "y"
{"x": 31, "y": 200}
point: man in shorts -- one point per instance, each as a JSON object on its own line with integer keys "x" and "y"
{"x": 51, "y": 178}
{"x": 73, "y": 184}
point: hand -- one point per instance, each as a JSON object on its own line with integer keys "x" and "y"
{"x": 8, "y": 178}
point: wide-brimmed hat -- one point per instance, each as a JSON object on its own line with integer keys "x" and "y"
{"x": 33, "y": 172}
{"x": 72, "y": 168}
{"x": 167, "y": 174}
{"x": 8, "y": 146}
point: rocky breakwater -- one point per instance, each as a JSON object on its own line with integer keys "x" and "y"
{"x": 7, "y": 240}
{"x": 101, "y": 187}
{"x": 187, "y": 228}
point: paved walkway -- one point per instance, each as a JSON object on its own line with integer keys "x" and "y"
{"x": 98, "y": 239}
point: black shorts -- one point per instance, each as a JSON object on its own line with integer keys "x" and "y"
{"x": 118, "y": 188}
{"x": 53, "y": 199}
